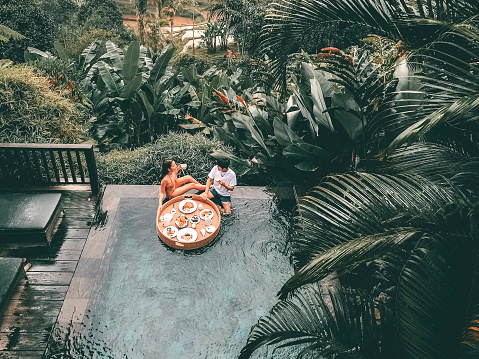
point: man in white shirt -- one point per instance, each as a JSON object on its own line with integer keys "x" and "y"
{"x": 224, "y": 181}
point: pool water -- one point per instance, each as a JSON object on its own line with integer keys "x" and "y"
{"x": 156, "y": 302}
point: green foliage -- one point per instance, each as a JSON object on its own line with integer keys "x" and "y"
{"x": 31, "y": 111}
{"x": 186, "y": 60}
{"x": 75, "y": 38}
{"x": 100, "y": 14}
{"x": 7, "y": 33}
{"x": 243, "y": 19}
{"x": 143, "y": 165}
{"x": 324, "y": 322}
{"x": 133, "y": 98}
{"x": 415, "y": 236}
{"x": 60, "y": 10}
{"x": 90, "y": 21}
{"x": 28, "y": 19}
{"x": 289, "y": 21}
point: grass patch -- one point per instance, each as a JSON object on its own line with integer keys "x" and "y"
{"x": 31, "y": 111}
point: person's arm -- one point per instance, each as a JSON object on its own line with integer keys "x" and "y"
{"x": 229, "y": 188}
{"x": 162, "y": 192}
{"x": 207, "y": 189}
{"x": 231, "y": 185}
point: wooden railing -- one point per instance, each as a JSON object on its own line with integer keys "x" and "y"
{"x": 36, "y": 164}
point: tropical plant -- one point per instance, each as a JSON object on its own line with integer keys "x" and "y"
{"x": 140, "y": 6}
{"x": 127, "y": 92}
{"x": 243, "y": 19}
{"x": 447, "y": 71}
{"x": 289, "y": 21}
{"x": 342, "y": 326}
{"x": 406, "y": 236}
{"x": 413, "y": 235}
{"x": 28, "y": 19}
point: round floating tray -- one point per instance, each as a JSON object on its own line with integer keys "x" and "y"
{"x": 200, "y": 241}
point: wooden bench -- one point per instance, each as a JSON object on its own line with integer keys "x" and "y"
{"x": 28, "y": 217}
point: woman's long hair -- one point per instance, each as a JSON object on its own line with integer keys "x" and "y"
{"x": 166, "y": 166}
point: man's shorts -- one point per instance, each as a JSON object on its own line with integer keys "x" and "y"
{"x": 217, "y": 195}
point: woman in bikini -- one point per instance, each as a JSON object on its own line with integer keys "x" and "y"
{"x": 172, "y": 186}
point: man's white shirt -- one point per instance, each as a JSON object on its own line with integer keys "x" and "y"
{"x": 229, "y": 178}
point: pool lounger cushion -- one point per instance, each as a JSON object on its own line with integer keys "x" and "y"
{"x": 28, "y": 216}
{"x": 12, "y": 272}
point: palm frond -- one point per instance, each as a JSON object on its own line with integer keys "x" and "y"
{"x": 345, "y": 327}
{"x": 354, "y": 205}
{"x": 448, "y": 72}
{"x": 435, "y": 162}
{"x": 287, "y": 22}
{"x": 344, "y": 257}
{"x": 427, "y": 292}
{"x": 454, "y": 112}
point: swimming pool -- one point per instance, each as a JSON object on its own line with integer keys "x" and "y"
{"x": 151, "y": 301}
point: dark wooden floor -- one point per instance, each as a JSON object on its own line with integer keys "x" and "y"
{"x": 36, "y": 303}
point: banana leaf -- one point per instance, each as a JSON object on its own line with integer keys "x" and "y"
{"x": 245, "y": 122}
{"x": 110, "y": 78}
{"x": 131, "y": 62}
{"x": 88, "y": 55}
{"x": 161, "y": 64}
{"x": 307, "y": 157}
{"x": 115, "y": 54}
{"x": 61, "y": 51}
{"x": 130, "y": 89}
{"x": 348, "y": 113}
{"x": 284, "y": 134}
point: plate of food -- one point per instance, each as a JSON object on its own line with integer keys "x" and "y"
{"x": 181, "y": 221}
{"x": 194, "y": 219}
{"x": 170, "y": 231}
{"x": 187, "y": 235}
{"x": 206, "y": 213}
{"x": 187, "y": 206}
{"x": 210, "y": 229}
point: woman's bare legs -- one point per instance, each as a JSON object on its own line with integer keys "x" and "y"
{"x": 185, "y": 188}
{"x": 184, "y": 180}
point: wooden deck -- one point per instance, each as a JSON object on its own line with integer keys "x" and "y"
{"x": 28, "y": 320}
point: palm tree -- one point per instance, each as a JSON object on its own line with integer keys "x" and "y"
{"x": 404, "y": 233}
{"x": 288, "y": 21}
{"x": 414, "y": 236}
{"x": 141, "y": 7}
{"x": 243, "y": 19}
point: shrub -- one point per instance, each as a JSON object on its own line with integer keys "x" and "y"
{"x": 142, "y": 166}
{"x": 30, "y": 111}
{"x": 76, "y": 38}
{"x": 27, "y": 18}
{"x": 186, "y": 60}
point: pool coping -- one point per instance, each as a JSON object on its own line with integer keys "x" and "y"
{"x": 92, "y": 257}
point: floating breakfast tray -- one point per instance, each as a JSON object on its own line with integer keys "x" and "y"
{"x": 200, "y": 240}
